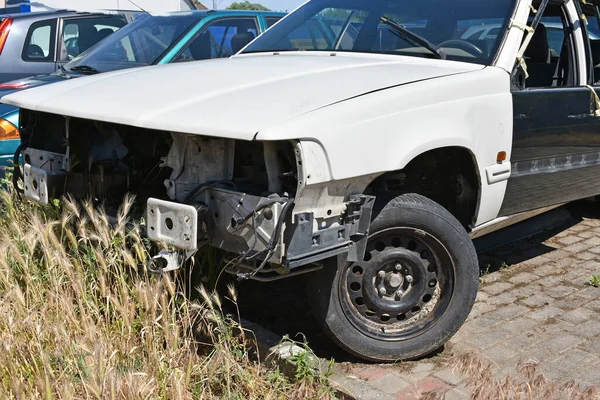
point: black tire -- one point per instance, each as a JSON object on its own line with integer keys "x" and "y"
{"x": 410, "y": 237}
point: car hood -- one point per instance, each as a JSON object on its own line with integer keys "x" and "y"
{"x": 233, "y": 98}
{"x": 7, "y": 88}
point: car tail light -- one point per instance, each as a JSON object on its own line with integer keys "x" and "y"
{"x": 8, "y": 131}
{"x": 4, "y": 31}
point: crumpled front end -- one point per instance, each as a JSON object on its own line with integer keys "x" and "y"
{"x": 266, "y": 204}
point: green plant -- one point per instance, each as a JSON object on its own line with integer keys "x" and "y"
{"x": 594, "y": 280}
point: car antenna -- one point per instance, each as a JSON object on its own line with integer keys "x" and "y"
{"x": 144, "y": 11}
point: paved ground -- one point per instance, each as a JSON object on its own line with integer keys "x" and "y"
{"x": 537, "y": 305}
{"x": 534, "y": 304}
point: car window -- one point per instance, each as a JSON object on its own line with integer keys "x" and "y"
{"x": 272, "y": 20}
{"x": 379, "y": 26}
{"x": 40, "y": 40}
{"x": 142, "y": 42}
{"x": 79, "y": 34}
{"x": 549, "y": 57}
{"x": 221, "y": 38}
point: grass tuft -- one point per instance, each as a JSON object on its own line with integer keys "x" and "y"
{"x": 80, "y": 318}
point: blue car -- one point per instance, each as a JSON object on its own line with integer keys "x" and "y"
{"x": 148, "y": 40}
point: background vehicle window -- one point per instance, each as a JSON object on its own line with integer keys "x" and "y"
{"x": 272, "y": 20}
{"x": 221, "y": 38}
{"x": 80, "y": 34}
{"x": 39, "y": 44}
{"x": 142, "y": 42}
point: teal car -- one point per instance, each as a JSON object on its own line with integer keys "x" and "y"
{"x": 148, "y": 40}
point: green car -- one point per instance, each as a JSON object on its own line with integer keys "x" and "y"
{"x": 148, "y": 40}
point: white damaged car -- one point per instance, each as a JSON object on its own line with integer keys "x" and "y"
{"x": 359, "y": 143}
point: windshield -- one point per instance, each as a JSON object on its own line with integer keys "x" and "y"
{"x": 140, "y": 43}
{"x": 463, "y": 30}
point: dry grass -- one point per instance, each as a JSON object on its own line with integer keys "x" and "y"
{"x": 529, "y": 383}
{"x": 79, "y": 318}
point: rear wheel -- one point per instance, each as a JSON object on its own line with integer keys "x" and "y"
{"x": 413, "y": 290}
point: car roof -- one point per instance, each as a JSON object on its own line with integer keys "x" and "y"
{"x": 221, "y": 12}
{"x": 51, "y": 13}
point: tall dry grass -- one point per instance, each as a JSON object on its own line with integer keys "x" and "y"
{"x": 80, "y": 318}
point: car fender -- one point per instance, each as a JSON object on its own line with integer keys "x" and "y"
{"x": 383, "y": 131}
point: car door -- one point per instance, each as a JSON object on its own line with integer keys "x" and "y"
{"x": 39, "y": 48}
{"x": 79, "y": 33}
{"x": 221, "y": 37}
{"x": 556, "y": 135}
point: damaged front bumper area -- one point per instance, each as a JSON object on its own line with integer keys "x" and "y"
{"x": 268, "y": 242}
{"x": 249, "y": 199}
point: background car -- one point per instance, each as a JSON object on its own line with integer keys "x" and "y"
{"x": 148, "y": 40}
{"x": 40, "y": 42}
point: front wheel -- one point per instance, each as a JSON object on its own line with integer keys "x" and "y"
{"x": 413, "y": 290}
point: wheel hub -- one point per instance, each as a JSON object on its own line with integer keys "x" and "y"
{"x": 398, "y": 282}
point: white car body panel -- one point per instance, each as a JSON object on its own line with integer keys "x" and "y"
{"x": 166, "y": 98}
{"x": 379, "y": 132}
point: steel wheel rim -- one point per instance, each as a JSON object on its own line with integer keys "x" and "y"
{"x": 416, "y": 273}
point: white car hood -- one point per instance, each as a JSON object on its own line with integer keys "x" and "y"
{"x": 233, "y": 98}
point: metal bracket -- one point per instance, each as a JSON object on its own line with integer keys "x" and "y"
{"x": 173, "y": 223}
{"x": 40, "y": 184}
{"x": 168, "y": 261}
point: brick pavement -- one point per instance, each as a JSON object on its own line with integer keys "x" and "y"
{"x": 536, "y": 305}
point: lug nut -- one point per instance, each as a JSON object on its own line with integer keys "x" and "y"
{"x": 382, "y": 292}
{"x": 399, "y": 294}
{"x": 381, "y": 274}
{"x": 398, "y": 267}
{"x": 409, "y": 278}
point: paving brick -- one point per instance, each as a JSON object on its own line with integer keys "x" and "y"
{"x": 593, "y": 241}
{"x": 487, "y": 339}
{"x": 586, "y": 234}
{"x": 370, "y": 373}
{"x": 538, "y": 300}
{"x": 590, "y": 346}
{"x": 509, "y": 312}
{"x": 586, "y": 255}
{"x": 480, "y": 308}
{"x": 432, "y": 384}
{"x": 545, "y": 313}
{"x": 448, "y": 376}
{"x": 591, "y": 293}
{"x": 568, "y": 240}
{"x": 560, "y": 291}
{"x": 588, "y": 330}
{"x": 594, "y": 305}
{"x": 553, "y": 280}
{"x": 391, "y": 383}
{"x": 537, "y": 261}
{"x": 503, "y": 298}
{"x": 595, "y": 249}
{"x": 571, "y": 302}
{"x": 520, "y": 325}
{"x": 526, "y": 340}
{"x": 578, "y": 315}
{"x": 562, "y": 343}
{"x": 500, "y": 352}
{"x": 523, "y": 277}
{"x": 572, "y": 360}
{"x": 422, "y": 367}
{"x": 546, "y": 270}
{"x": 590, "y": 375}
{"x": 455, "y": 395}
{"x": 497, "y": 288}
{"x": 526, "y": 290}
{"x": 577, "y": 247}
